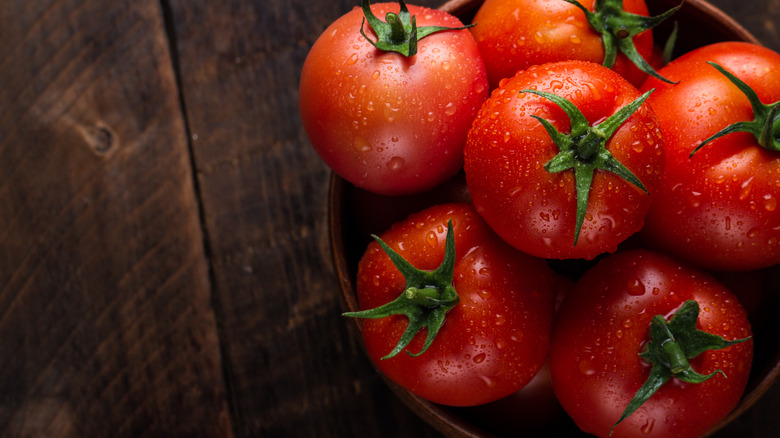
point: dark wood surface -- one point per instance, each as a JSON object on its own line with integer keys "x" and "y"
{"x": 164, "y": 261}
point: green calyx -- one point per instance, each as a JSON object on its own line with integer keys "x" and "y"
{"x": 426, "y": 299}
{"x": 584, "y": 149}
{"x": 618, "y": 29}
{"x": 399, "y": 32}
{"x": 671, "y": 344}
{"x": 765, "y": 125}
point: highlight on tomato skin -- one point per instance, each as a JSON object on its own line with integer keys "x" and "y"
{"x": 386, "y": 122}
{"x": 603, "y": 326}
{"x": 537, "y": 209}
{"x": 492, "y": 342}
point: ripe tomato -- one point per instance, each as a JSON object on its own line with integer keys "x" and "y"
{"x": 516, "y": 34}
{"x": 719, "y": 208}
{"x": 386, "y": 122}
{"x": 538, "y": 211}
{"x": 493, "y": 340}
{"x": 604, "y": 324}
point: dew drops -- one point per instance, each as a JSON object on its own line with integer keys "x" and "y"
{"x": 586, "y": 367}
{"x": 485, "y": 294}
{"x": 635, "y": 287}
{"x": 770, "y": 203}
{"x": 647, "y": 428}
{"x": 396, "y": 163}
{"x": 352, "y": 59}
{"x": 449, "y": 109}
{"x": 479, "y": 358}
{"x": 490, "y": 383}
{"x": 500, "y": 319}
{"x": 745, "y": 189}
{"x": 432, "y": 239}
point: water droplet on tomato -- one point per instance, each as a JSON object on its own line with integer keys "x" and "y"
{"x": 396, "y": 163}
{"x": 586, "y": 367}
{"x": 485, "y": 294}
{"x": 450, "y": 109}
{"x": 479, "y": 358}
{"x": 745, "y": 189}
{"x": 635, "y": 287}
{"x": 500, "y": 319}
{"x": 647, "y": 428}
{"x": 432, "y": 239}
{"x": 352, "y": 59}
{"x": 770, "y": 203}
{"x": 490, "y": 383}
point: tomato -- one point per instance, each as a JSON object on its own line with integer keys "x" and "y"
{"x": 513, "y": 35}
{"x": 719, "y": 208}
{"x": 493, "y": 340}
{"x": 509, "y": 151}
{"x": 604, "y": 324}
{"x": 532, "y": 409}
{"x": 386, "y": 122}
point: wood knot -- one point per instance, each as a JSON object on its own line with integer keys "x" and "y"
{"x": 99, "y": 138}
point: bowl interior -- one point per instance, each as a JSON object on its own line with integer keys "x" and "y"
{"x": 354, "y": 214}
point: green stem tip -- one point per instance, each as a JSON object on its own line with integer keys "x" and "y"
{"x": 584, "y": 149}
{"x": 765, "y": 126}
{"x": 672, "y": 343}
{"x": 618, "y": 29}
{"x": 399, "y": 32}
{"x": 426, "y": 299}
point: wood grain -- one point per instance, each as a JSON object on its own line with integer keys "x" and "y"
{"x": 106, "y": 325}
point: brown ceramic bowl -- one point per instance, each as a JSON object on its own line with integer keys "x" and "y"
{"x": 355, "y": 214}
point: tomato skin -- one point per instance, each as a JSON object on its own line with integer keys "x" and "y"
{"x": 386, "y": 123}
{"x": 602, "y": 327}
{"x": 492, "y": 342}
{"x": 719, "y": 209}
{"x": 534, "y": 210}
{"x": 513, "y": 35}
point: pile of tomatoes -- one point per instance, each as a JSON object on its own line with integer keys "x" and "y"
{"x": 607, "y": 191}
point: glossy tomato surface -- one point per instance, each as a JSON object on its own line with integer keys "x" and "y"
{"x": 492, "y": 342}
{"x": 602, "y": 327}
{"x": 385, "y": 122}
{"x": 516, "y": 34}
{"x": 718, "y": 209}
{"x": 535, "y": 210}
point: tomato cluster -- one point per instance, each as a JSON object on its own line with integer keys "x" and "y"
{"x": 601, "y": 195}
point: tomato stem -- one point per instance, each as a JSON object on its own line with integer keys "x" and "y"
{"x": 584, "y": 149}
{"x": 765, "y": 125}
{"x": 671, "y": 346}
{"x": 426, "y": 299}
{"x": 618, "y": 29}
{"x": 399, "y": 32}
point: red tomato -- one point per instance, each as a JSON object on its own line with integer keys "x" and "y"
{"x": 389, "y": 123}
{"x": 516, "y": 34}
{"x": 717, "y": 209}
{"x": 492, "y": 342}
{"x": 535, "y": 210}
{"x": 603, "y": 326}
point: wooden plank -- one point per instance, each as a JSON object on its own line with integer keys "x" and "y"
{"x": 294, "y": 369}
{"x": 106, "y": 326}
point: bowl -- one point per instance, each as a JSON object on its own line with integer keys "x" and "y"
{"x": 355, "y": 214}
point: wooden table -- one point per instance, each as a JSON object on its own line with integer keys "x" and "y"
{"x": 164, "y": 261}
